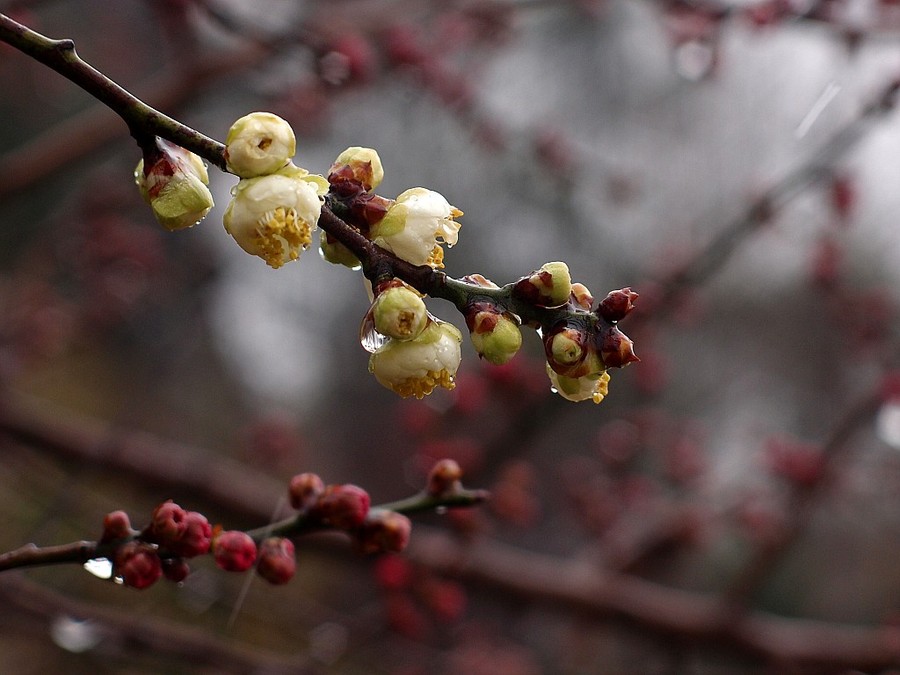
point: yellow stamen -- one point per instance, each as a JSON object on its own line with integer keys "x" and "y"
{"x": 602, "y": 388}
{"x": 436, "y": 259}
{"x": 281, "y": 232}
{"x": 421, "y": 387}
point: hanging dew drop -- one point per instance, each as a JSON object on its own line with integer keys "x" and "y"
{"x": 100, "y": 567}
{"x": 369, "y": 338}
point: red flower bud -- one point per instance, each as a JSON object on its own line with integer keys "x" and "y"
{"x": 342, "y": 506}
{"x": 116, "y": 525}
{"x": 175, "y": 569}
{"x": 137, "y": 564}
{"x": 384, "y": 532}
{"x": 196, "y": 537}
{"x": 167, "y": 523}
{"x": 616, "y": 348}
{"x": 277, "y": 562}
{"x": 444, "y": 478}
{"x": 617, "y": 305}
{"x": 234, "y": 551}
{"x": 304, "y": 490}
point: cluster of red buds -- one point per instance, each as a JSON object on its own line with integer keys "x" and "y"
{"x": 348, "y": 508}
{"x": 141, "y": 557}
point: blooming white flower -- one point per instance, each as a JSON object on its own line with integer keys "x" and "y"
{"x": 175, "y": 187}
{"x": 594, "y": 386}
{"x": 414, "y": 226}
{"x": 259, "y": 143}
{"x": 273, "y": 216}
{"x": 416, "y": 367}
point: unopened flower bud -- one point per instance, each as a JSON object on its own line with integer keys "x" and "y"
{"x": 616, "y": 305}
{"x": 137, "y": 564}
{"x": 258, "y": 144}
{"x": 549, "y": 286}
{"x": 415, "y": 225}
{"x": 565, "y": 348}
{"x": 174, "y": 182}
{"x": 336, "y": 253}
{"x": 342, "y": 506}
{"x": 277, "y": 561}
{"x": 581, "y": 296}
{"x": 234, "y": 551}
{"x": 594, "y": 387}
{"x": 175, "y": 569}
{"x": 400, "y": 313}
{"x": 444, "y": 478}
{"x": 116, "y": 525}
{"x": 304, "y": 490}
{"x": 273, "y": 216}
{"x": 616, "y": 348}
{"x": 416, "y": 367}
{"x": 495, "y": 336}
{"x": 167, "y": 523}
{"x": 361, "y": 165}
{"x": 196, "y": 537}
{"x": 384, "y": 532}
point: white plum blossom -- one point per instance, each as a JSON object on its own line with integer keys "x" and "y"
{"x": 415, "y": 225}
{"x": 258, "y": 144}
{"x": 273, "y": 216}
{"x": 416, "y": 367}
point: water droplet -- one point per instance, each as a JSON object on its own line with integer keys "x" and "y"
{"x": 74, "y": 635}
{"x": 369, "y": 338}
{"x": 99, "y": 567}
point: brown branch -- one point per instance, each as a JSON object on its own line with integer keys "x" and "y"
{"x": 561, "y": 582}
{"x": 141, "y": 119}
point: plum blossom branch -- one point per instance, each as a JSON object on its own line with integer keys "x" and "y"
{"x": 560, "y": 582}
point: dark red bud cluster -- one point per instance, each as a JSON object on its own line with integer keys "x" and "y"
{"x": 138, "y": 564}
{"x": 172, "y": 535}
{"x": 182, "y": 533}
{"x": 343, "y": 507}
{"x": 383, "y": 532}
{"x": 617, "y": 305}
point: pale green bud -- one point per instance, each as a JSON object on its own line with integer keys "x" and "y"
{"x": 554, "y": 282}
{"x": 175, "y": 186}
{"x": 496, "y": 337}
{"x": 400, "y": 313}
{"x": 336, "y": 253}
{"x": 258, "y": 144}
{"x": 566, "y": 348}
{"x": 362, "y": 164}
